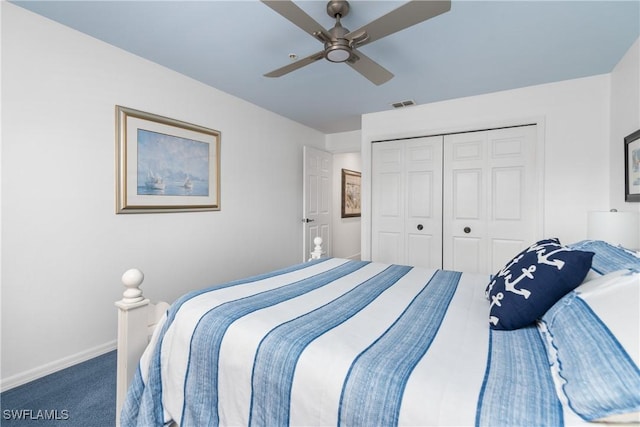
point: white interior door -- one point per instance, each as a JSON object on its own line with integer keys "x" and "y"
{"x": 407, "y": 202}
{"x": 490, "y": 197}
{"x": 316, "y": 211}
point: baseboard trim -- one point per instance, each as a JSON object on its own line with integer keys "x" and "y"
{"x": 355, "y": 257}
{"x": 55, "y": 366}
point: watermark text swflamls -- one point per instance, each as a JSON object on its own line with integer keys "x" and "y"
{"x": 35, "y": 414}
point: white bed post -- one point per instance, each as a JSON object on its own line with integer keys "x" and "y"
{"x": 317, "y": 250}
{"x": 132, "y": 333}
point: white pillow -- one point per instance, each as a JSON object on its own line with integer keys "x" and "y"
{"x": 595, "y": 282}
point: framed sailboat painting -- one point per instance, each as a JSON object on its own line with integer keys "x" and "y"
{"x": 165, "y": 165}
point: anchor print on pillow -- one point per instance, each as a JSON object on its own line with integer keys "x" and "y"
{"x": 525, "y": 288}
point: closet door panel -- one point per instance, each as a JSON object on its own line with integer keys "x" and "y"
{"x": 387, "y": 240}
{"x": 466, "y": 194}
{"x": 492, "y": 206}
{"x": 407, "y": 202}
{"x": 508, "y": 215}
{"x": 421, "y": 202}
{"x": 390, "y": 196}
{"x": 513, "y": 194}
{"x": 423, "y": 222}
{"x": 466, "y": 250}
{"x": 390, "y": 213}
{"x": 464, "y": 201}
{"x": 420, "y": 194}
{"x": 467, "y": 147}
{"x": 421, "y": 250}
{"x": 389, "y": 248}
{"x": 507, "y": 193}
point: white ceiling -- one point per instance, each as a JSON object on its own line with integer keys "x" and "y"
{"x": 477, "y": 47}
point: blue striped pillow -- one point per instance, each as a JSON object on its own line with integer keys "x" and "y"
{"x": 608, "y": 258}
{"x": 588, "y": 334}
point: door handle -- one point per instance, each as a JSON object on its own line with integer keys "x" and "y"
{"x": 467, "y": 230}
{"x": 420, "y": 227}
{"x": 307, "y": 220}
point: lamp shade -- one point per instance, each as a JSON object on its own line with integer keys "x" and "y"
{"x": 617, "y": 228}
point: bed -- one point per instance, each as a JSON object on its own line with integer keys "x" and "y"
{"x": 551, "y": 339}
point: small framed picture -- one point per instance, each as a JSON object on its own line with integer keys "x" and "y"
{"x": 632, "y": 167}
{"x": 350, "y": 193}
{"x": 165, "y": 165}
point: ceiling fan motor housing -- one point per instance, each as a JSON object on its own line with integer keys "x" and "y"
{"x": 338, "y": 7}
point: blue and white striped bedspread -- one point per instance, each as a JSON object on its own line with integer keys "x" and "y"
{"x": 337, "y": 342}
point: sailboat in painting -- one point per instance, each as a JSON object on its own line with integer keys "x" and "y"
{"x": 188, "y": 184}
{"x": 154, "y": 182}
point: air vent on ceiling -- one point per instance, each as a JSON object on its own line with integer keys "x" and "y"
{"x": 400, "y": 104}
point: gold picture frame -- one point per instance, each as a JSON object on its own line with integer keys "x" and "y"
{"x": 165, "y": 165}
{"x": 632, "y": 167}
{"x": 351, "y": 199}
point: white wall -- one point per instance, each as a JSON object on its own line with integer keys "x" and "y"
{"x": 574, "y": 118}
{"x": 344, "y": 142}
{"x": 625, "y": 119}
{"x": 346, "y": 231}
{"x": 64, "y": 248}
{"x": 345, "y": 147}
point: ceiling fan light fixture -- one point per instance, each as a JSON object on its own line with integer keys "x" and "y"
{"x": 337, "y": 53}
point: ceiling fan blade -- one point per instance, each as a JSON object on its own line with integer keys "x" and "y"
{"x": 299, "y": 17}
{"x": 370, "y": 69}
{"x": 405, "y": 16}
{"x": 296, "y": 65}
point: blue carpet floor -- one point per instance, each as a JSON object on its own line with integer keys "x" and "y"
{"x": 83, "y": 395}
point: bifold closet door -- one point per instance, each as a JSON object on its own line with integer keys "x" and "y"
{"x": 490, "y": 204}
{"x": 407, "y": 202}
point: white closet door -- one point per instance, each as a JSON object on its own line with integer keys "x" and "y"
{"x": 407, "y": 207}
{"x": 490, "y": 197}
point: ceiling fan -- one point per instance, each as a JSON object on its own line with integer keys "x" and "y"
{"x": 340, "y": 44}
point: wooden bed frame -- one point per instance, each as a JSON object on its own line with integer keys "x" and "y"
{"x": 137, "y": 318}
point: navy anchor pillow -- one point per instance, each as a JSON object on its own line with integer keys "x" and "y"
{"x": 533, "y": 281}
